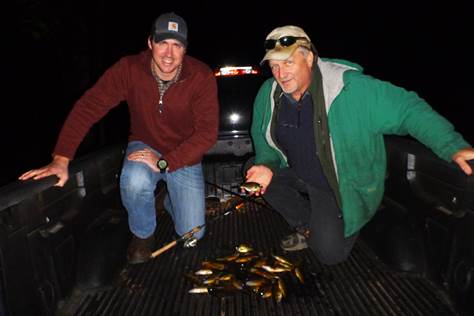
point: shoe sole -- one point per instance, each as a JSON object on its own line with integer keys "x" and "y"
{"x": 289, "y": 244}
{"x": 294, "y": 248}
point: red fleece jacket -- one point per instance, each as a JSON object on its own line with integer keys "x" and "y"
{"x": 185, "y": 130}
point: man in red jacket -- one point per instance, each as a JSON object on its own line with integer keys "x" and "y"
{"x": 173, "y": 106}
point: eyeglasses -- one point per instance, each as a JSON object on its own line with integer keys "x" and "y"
{"x": 284, "y": 41}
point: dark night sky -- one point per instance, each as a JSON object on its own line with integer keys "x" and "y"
{"x": 57, "y": 49}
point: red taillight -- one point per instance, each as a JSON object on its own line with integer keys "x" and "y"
{"x": 236, "y": 71}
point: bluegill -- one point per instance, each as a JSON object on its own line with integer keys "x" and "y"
{"x": 251, "y": 187}
{"x": 203, "y": 272}
{"x": 244, "y": 248}
{"x": 299, "y": 275}
{"x": 212, "y": 265}
{"x": 283, "y": 261}
{"x": 229, "y": 257}
{"x": 199, "y": 290}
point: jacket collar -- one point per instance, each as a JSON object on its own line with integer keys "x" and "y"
{"x": 333, "y": 79}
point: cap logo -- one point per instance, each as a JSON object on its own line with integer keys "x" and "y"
{"x": 173, "y": 26}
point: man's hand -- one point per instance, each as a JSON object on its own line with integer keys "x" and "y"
{"x": 461, "y": 158}
{"x": 261, "y": 175}
{"x": 58, "y": 167}
{"x": 145, "y": 156}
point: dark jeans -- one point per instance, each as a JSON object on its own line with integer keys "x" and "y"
{"x": 302, "y": 204}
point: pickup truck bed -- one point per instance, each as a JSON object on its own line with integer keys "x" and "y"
{"x": 62, "y": 251}
{"x": 362, "y": 285}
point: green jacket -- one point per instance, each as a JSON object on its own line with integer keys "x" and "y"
{"x": 360, "y": 110}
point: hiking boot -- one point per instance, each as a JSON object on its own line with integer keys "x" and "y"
{"x": 294, "y": 242}
{"x": 139, "y": 250}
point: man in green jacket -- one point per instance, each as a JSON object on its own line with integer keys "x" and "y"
{"x": 318, "y": 129}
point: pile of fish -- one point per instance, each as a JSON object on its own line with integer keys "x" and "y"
{"x": 246, "y": 271}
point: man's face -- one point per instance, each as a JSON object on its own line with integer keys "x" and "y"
{"x": 168, "y": 55}
{"x": 293, "y": 74}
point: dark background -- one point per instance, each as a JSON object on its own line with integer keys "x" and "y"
{"x": 54, "y": 50}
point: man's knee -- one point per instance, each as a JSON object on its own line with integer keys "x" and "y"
{"x": 136, "y": 182}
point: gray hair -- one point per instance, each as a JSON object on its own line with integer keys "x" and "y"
{"x": 304, "y": 50}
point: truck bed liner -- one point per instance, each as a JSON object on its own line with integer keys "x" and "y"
{"x": 362, "y": 285}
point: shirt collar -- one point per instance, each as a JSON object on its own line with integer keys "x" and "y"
{"x": 292, "y": 101}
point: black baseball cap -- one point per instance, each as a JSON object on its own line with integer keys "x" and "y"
{"x": 170, "y": 25}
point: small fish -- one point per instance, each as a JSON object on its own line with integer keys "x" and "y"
{"x": 264, "y": 274}
{"x": 255, "y": 283}
{"x": 238, "y": 285}
{"x": 278, "y": 295}
{"x": 229, "y": 257}
{"x": 251, "y": 187}
{"x": 243, "y": 248}
{"x": 260, "y": 263}
{"x": 299, "y": 275}
{"x": 283, "y": 261}
{"x": 212, "y": 265}
{"x": 226, "y": 277}
{"x": 275, "y": 269}
{"x": 281, "y": 287}
{"x": 204, "y": 272}
{"x": 266, "y": 291}
{"x": 212, "y": 280}
{"x": 283, "y": 266}
{"x": 245, "y": 259}
{"x": 198, "y": 290}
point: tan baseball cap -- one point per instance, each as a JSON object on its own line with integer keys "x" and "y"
{"x": 283, "y": 41}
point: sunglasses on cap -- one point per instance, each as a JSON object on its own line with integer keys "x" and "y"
{"x": 284, "y": 41}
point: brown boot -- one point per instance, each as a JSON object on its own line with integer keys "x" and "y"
{"x": 139, "y": 250}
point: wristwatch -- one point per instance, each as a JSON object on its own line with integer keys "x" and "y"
{"x": 162, "y": 165}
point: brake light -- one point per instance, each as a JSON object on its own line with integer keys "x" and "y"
{"x": 236, "y": 71}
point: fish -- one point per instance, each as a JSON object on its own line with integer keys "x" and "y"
{"x": 238, "y": 285}
{"x": 212, "y": 265}
{"x": 298, "y": 275}
{"x": 246, "y": 270}
{"x": 226, "y": 277}
{"x": 275, "y": 269}
{"x": 264, "y": 274}
{"x": 199, "y": 290}
{"x": 255, "y": 283}
{"x": 280, "y": 265}
{"x": 229, "y": 257}
{"x": 281, "y": 287}
{"x": 283, "y": 261}
{"x": 260, "y": 263}
{"x": 204, "y": 272}
{"x": 266, "y": 291}
{"x": 244, "y": 248}
{"x": 251, "y": 187}
{"x": 278, "y": 295}
{"x": 245, "y": 259}
{"x": 212, "y": 280}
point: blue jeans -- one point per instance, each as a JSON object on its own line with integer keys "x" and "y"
{"x": 184, "y": 201}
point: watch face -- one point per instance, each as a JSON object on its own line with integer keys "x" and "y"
{"x": 162, "y": 164}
